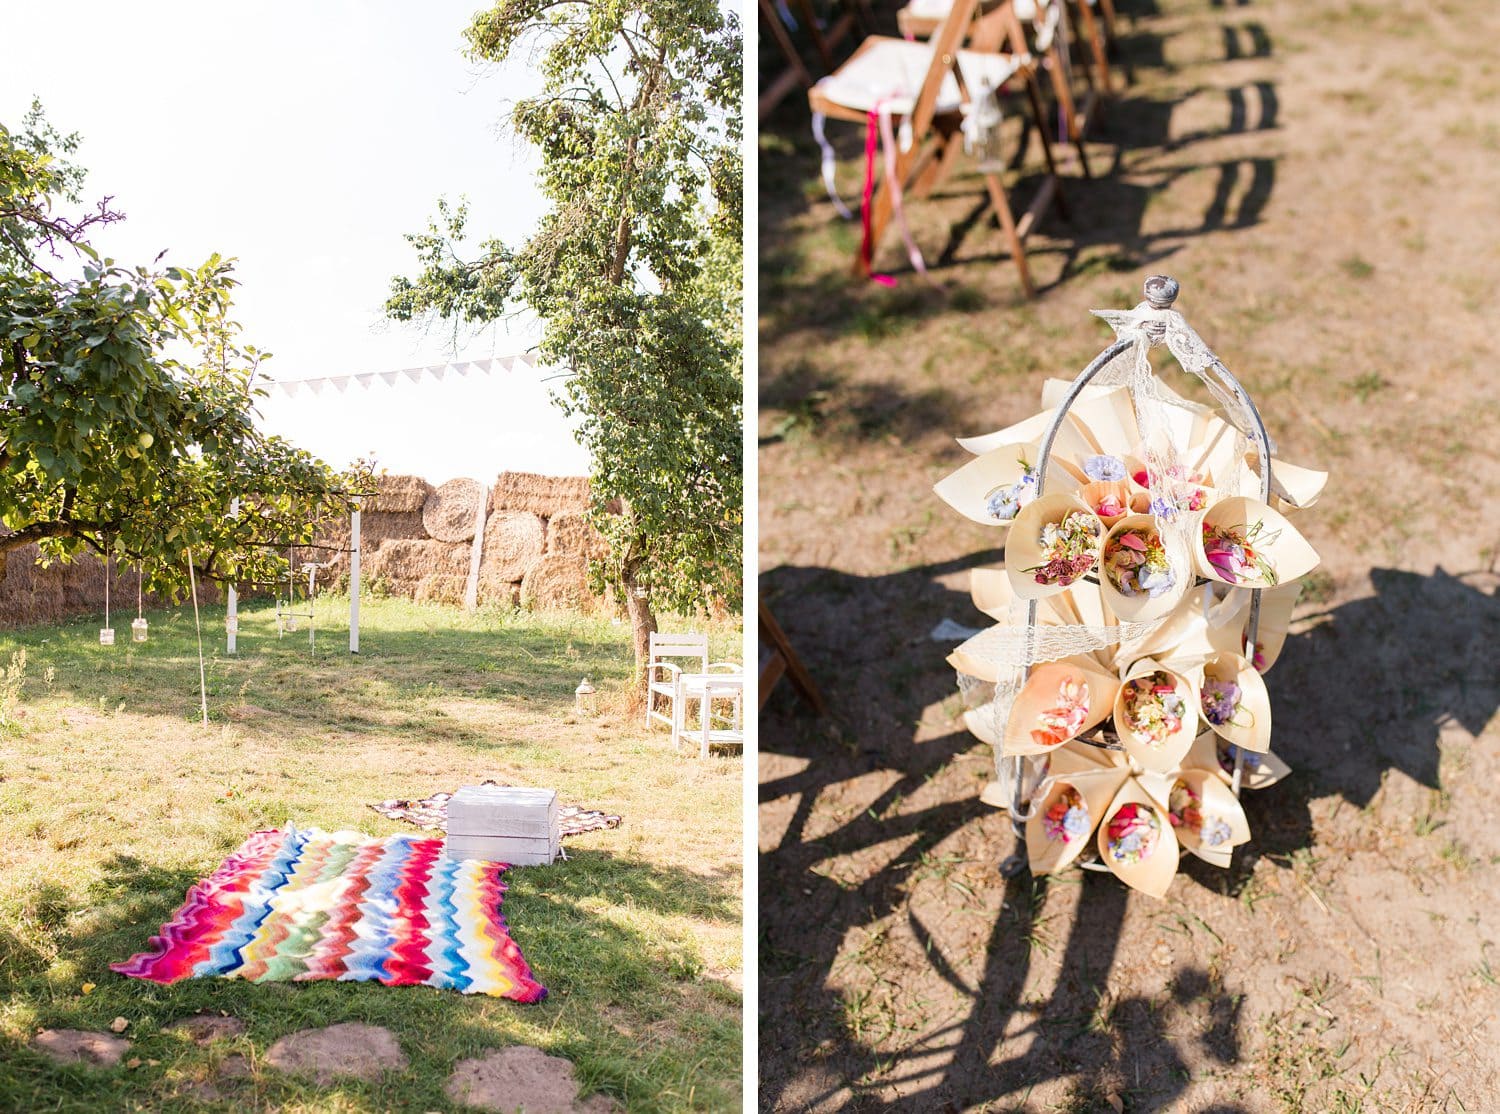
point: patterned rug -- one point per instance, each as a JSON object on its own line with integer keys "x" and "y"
{"x": 307, "y": 904}
{"x": 432, "y": 813}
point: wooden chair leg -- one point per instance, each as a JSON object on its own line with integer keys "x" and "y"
{"x": 1041, "y": 127}
{"x": 881, "y": 210}
{"x": 933, "y": 166}
{"x": 1096, "y": 45}
{"x": 1008, "y": 224}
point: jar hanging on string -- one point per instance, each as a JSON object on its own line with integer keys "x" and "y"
{"x": 139, "y": 625}
{"x": 982, "y": 134}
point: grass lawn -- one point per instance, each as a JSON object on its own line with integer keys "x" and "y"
{"x": 114, "y": 800}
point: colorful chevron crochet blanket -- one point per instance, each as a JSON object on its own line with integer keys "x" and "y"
{"x": 306, "y": 904}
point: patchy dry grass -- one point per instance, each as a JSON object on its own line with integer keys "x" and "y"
{"x": 113, "y": 800}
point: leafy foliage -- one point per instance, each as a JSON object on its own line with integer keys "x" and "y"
{"x": 126, "y": 407}
{"x": 635, "y": 271}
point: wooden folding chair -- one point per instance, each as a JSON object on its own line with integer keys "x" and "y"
{"x": 923, "y": 88}
{"x": 1041, "y": 20}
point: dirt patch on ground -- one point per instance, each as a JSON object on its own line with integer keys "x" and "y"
{"x": 521, "y": 1079}
{"x": 349, "y": 1049}
{"x": 78, "y": 1046}
{"x": 1321, "y": 181}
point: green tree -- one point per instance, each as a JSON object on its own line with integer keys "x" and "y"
{"x": 126, "y": 406}
{"x": 635, "y": 272}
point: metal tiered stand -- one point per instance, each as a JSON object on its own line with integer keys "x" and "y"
{"x": 1161, "y": 292}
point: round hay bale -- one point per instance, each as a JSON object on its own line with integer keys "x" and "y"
{"x": 494, "y": 592}
{"x": 399, "y": 494}
{"x": 572, "y": 533}
{"x": 558, "y": 582}
{"x": 442, "y": 588}
{"x": 513, "y": 542}
{"x": 543, "y": 495}
{"x": 412, "y": 560}
{"x": 449, "y": 512}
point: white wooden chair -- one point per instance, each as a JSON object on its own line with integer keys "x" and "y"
{"x": 720, "y": 686}
{"x": 664, "y": 678}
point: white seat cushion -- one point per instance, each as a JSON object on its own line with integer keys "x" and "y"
{"x": 891, "y": 72}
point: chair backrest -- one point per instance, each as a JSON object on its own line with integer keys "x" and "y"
{"x": 965, "y": 23}
{"x": 680, "y": 646}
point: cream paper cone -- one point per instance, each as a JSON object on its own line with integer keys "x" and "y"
{"x": 1154, "y": 874}
{"x": 968, "y": 490}
{"x": 1023, "y": 547}
{"x": 1172, "y": 750}
{"x": 1078, "y": 757}
{"x": 1043, "y": 692}
{"x": 1260, "y": 770}
{"x": 1250, "y": 728}
{"x": 1096, "y": 789}
{"x": 1144, "y": 608}
{"x": 1183, "y": 631}
{"x": 1109, "y": 420}
{"x": 1072, "y": 442}
{"x": 1216, "y": 802}
{"x": 1276, "y": 606}
{"x": 1204, "y": 755}
{"x": 1094, "y": 492}
{"x": 1292, "y": 486}
{"x": 1213, "y": 448}
{"x": 1277, "y": 540}
{"x": 979, "y": 726}
{"x": 991, "y": 592}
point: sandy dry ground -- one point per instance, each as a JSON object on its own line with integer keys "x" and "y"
{"x": 1322, "y": 181}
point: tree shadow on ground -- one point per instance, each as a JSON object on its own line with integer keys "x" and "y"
{"x": 1365, "y": 690}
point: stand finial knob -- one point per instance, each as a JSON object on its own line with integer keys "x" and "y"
{"x": 1161, "y": 291}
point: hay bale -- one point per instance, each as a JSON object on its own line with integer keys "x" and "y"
{"x": 413, "y": 560}
{"x": 572, "y": 533}
{"x": 399, "y": 494}
{"x": 442, "y": 588}
{"x": 29, "y": 593}
{"x": 543, "y": 495}
{"x": 377, "y": 528}
{"x": 450, "y": 511}
{"x": 494, "y": 592}
{"x": 513, "y": 542}
{"x": 557, "y": 582}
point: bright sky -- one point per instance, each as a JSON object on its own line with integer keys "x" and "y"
{"x": 304, "y": 139}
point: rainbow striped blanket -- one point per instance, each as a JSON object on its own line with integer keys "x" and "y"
{"x": 306, "y": 904}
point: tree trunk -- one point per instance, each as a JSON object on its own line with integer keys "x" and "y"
{"x": 642, "y": 627}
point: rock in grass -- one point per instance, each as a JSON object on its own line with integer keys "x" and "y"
{"x": 520, "y": 1078}
{"x": 348, "y": 1049}
{"x": 205, "y": 1028}
{"x": 78, "y": 1046}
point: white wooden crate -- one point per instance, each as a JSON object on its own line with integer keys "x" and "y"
{"x": 503, "y": 824}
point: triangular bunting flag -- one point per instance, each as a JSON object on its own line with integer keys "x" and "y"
{"x": 390, "y": 377}
{"x": 365, "y": 379}
{"x": 439, "y": 372}
{"x": 315, "y": 385}
{"x": 413, "y": 373}
{"x": 289, "y": 388}
{"x": 341, "y": 382}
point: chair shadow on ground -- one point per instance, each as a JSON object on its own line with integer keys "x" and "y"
{"x": 1107, "y": 213}
{"x": 1421, "y": 642}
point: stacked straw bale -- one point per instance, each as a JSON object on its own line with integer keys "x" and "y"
{"x": 541, "y": 495}
{"x": 415, "y": 541}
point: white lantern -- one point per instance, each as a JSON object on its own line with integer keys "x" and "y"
{"x": 585, "y": 699}
{"x": 106, "y": 636}
{"x": 138, "y": 630}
